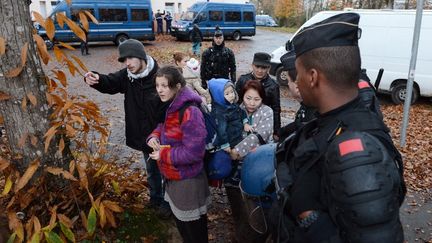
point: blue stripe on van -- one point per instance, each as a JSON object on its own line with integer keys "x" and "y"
{"x": 100, "y": 30}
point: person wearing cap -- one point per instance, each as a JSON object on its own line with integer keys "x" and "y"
{"x": 159, "y": 21}
{"x": 196, "y": 38}
{"x": 304, "y": 113}
{"x": 260, "y": 72}
{"x": 218, "y": 61}
{"x": 346, "y": 180}
{"x": 143, "y": 107}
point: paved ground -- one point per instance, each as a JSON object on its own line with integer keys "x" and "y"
{"x": 416, "y": 212}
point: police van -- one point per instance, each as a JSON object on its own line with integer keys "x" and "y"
{"x": 265, "y": 20}
{"x": 386, "y": 42}
{"x": 118, "y": 20}
{"x": 235, "y": 20}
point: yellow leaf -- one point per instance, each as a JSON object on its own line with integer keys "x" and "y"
{"x": 32, "y": 98}
{"x": 101, "y": 170}
{"x": 67, "y": 46}
{"x": 54, "y": 170}
{"x": 83, "y": 176}
{"x": 39, "y": 19}
{"x": 13, "y": 220}
{"x": 42, "y": 48}
{"x": 3, "y": 164}
{"x": 36, "y": 224}
{"x": 20, "y": 231}
{"x": 49, "y": 135}
{"x": 14, "y": 72}
{"x": 61, "y": 145}
{"x": 113, "y": 206}
{"x": 84, "y": 21}
{"x": 70, "y": 131}
{"x": 78, "y": 119}
{"x": 8, "y": 186}
{"x": 24, "y": 54}
{"x": 93, "y": 19}
{"x": 83, "y": 219}
{"x": 52, "y": 222}
{"x": 72, "y": 166}
{"x": 58, "y": 54}
{"x": 69, "y": 176}
{"x": 80, "y": 63}
{"x": 35, "y": 238}
{"x": 1, "y": 120}
{"x": 24, "y": 103}
{"x": 116, "y": 187}
{"x": 102, "y": 216}
{"x": 71, "y": 67}
{"x": 76, "y": 29}
{"x": 27, "y": 175}
{"x": 65, "y": 220}
{"x": 22, "y": 140}
{"x": 4, "y": 96}
{"x": 50, "y": 29}
{"x": 60, "y": 19}
{"x": 61, "y": 76}
{"x": 110, "y": 218}
{"x": 2, "y": 46}
{"x": 33, "y": 140}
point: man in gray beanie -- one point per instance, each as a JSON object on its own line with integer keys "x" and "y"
{"x": 143, "y": 107}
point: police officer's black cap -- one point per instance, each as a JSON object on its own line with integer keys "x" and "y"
{"x": 261, "y": 59}
{"x": 338, "y": 30}
{"x": 288, "y": 60}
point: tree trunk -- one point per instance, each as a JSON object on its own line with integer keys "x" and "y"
{"x": 31, "y": 121}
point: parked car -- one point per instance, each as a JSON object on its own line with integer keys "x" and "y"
{"x": 265, "y": 20}
{"x": 386, "y": 42}
{"x": 118, "y": 20}
{"x": 235, "y": 20}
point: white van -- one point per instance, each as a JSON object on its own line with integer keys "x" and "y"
{"x": 385, "y": 42}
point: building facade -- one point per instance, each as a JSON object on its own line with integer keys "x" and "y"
{"x": 175, "y": 7}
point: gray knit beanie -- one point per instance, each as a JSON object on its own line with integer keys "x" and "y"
{"x": 131, "y": 48}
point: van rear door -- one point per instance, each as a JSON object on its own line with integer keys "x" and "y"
{"x": 140, "y": 22}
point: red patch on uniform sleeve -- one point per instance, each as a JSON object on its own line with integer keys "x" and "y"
{"x": 350, "y": 146}
{"x": 363, "y": 84}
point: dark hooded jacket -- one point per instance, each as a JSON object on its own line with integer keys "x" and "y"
{"x": 143, "y": 107}
{"x": 272, "y": 96}
{"x": 229, "y": 117}
{"x": 218, "y": 62}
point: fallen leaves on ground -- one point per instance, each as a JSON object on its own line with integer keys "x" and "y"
{"x": 417, "y": 154}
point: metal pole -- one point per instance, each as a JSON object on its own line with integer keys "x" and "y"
{"x": 411, "y": 74}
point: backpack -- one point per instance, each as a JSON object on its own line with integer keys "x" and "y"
{"x": 217, "y": 163}
{"x": 210, "y": 123}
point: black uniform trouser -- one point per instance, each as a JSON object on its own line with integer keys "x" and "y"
{"x": 193, "y": 231}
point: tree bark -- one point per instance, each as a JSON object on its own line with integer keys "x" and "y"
{"x": 23, "y": 122}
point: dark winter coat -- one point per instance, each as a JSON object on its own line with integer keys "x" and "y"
{"x": 182, "y": 145}
{"x": 196, "y": 35}
{"x": 218, "y": 62}
{"x": 272, "y": 96}
{"x": 230, "y": 118}
{"x": 143, "y": 107}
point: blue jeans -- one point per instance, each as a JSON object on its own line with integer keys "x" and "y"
{"x": 154, "y": 179}
{"x": 196, "y": 48}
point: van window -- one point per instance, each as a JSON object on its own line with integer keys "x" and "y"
{"x": 75, "y": 13}
{"x": 215, "y": 15}
{"x": 188, "y": 16}
{"x": 140, "y": 15}
{"x": 248, "y": 16}
{"x": 112, "y": 15}
{"x": 202, "y": 17}
{"x": 232, "y": 16}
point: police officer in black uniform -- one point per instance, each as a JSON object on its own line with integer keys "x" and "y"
{"x": 260, "y": 72}
{"x": 218, "y": 61}
{"x": 304, "y": 113}
{"x": 340, "y": 178}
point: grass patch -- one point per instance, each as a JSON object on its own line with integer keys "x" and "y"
{"x": 136, "y": 227}
{"x": 279, "y": 29}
